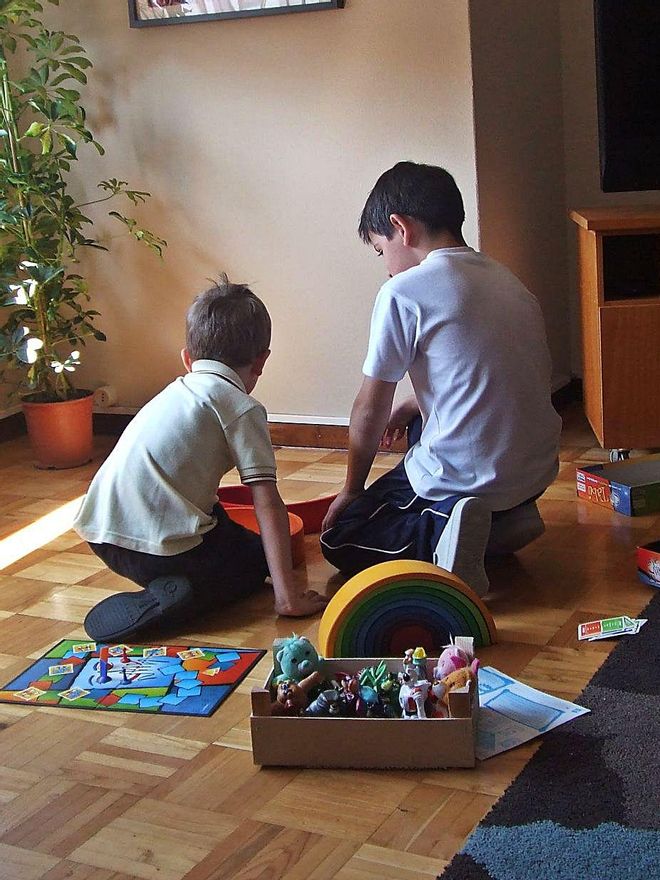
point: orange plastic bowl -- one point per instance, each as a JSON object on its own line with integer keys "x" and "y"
{"x": 310, "y": 512}
{"x": 245, "y": 516}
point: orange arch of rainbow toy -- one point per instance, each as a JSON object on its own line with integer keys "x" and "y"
{"x": 402, "y": 604}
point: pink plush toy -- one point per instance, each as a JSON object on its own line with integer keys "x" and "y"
{"x": 452, "y": 659}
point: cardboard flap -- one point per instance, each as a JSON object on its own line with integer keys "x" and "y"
{"x": 465, "y": 643}
{"x": 260, "y": 701}
{"x": 460, "y": 702}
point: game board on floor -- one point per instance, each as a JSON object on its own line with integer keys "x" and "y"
{"x": 168, "y": 679}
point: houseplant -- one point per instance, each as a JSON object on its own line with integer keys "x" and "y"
{"x": 43, "y": 228}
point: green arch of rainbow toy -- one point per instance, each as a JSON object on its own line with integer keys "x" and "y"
{"x": 402, "y": 604}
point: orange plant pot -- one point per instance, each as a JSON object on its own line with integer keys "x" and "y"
{"x": 245, "y": 516}
{"x": 60, "y": 433}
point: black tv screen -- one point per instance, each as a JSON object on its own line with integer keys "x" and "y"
{"x": 628, "y": 87}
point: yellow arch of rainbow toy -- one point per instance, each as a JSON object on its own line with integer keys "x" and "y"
{"x": 350, "y": 602}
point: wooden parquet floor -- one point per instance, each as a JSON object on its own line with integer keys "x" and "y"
{"x": 90, "y": 796}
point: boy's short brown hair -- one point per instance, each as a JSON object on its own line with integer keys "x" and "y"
{"x": 227, "y": 323}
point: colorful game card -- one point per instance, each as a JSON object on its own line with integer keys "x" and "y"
{"x": 73, "y": 694}
{"x": 31, "y": 693}
{"x": 117, "y": 650}
{"x": 637, "y": 624}
{"x": 190, "y": 654}
{"x": 84, "y": 648}
{"x": 61, "y": 669}
{"x": 154, "y": 652}
{"x": 607, "y": 627}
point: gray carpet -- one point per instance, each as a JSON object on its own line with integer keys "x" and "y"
{"x": 587, "y": 806}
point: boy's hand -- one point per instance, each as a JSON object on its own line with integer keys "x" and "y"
{"x": 303, "y": 605}
{"x": 400, "y": 417}
{"x": 341, "y": 502}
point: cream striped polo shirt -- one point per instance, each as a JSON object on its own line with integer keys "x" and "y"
{"x": 156, "y": 490}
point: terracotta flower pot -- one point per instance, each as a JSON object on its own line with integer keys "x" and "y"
{"x": 60, "y": 433}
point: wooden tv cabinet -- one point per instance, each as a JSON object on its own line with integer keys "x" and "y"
{"x": 619, "y": 275}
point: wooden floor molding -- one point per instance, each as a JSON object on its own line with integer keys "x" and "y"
{"x": 282, "y": 433}
{"x": 89, "y": 796}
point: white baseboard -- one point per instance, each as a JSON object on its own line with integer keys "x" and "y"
{"x": 291, "y": 419}
{"x": 277, "y": 418}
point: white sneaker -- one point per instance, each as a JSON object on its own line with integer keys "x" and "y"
{"x": 462, "y": 545}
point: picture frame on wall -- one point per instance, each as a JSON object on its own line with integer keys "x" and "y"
{"x": 146, "y": 13}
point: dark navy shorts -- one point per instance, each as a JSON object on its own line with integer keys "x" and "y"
{"x": 229, "y": 564}
{"x": 388, "y": 521}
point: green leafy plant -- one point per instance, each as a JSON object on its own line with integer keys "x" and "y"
{"x": 42, "y": 227}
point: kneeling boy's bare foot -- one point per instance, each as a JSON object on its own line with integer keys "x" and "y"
{"x": 304, "y": 605}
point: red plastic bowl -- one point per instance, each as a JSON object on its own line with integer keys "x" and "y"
{"x": 236, "y": 495}
{"x": 310, "y": 512}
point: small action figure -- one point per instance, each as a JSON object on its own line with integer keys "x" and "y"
{"x": 327, "y": 703}
{"x": 414, "y": 690}
{"x": 292, "y": 697}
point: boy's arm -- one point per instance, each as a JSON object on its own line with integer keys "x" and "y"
{"x": 369, "y": 417}
{"x": 290, "y": 599}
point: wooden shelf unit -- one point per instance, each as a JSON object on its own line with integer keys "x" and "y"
{"x": 619, "y": 281}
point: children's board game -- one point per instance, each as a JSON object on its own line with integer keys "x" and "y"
{"x": 159, "y": 679}
{"x": 630, "y": 487}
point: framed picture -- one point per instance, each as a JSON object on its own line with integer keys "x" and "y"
{"x": 145, "y": 13}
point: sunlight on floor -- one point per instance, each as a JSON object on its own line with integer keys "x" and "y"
{"x": 38, "y": 533}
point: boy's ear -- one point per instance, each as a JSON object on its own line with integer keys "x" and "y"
{"x": 187, "y": 361}
{"x": 259, "y": 362}
{"x": 404, "y": 226}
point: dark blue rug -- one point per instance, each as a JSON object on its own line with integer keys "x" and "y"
{"x": 587, "y": 806}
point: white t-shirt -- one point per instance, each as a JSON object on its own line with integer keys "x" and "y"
{"x": 472, "y": 338}
{"x": 156, "y": 490}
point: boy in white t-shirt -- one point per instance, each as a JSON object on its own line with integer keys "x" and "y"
{"x": 483, "y": 433}
{"x": 151, "y": 512}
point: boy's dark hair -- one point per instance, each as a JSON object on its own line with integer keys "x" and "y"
{"x": 425, "y": 192}
{"x": 227, "y": 323}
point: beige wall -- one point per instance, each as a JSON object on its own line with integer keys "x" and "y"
{"x": 260, "y": 139}
{"x": 581, "y": 141}
{"x": 519, "y": 152}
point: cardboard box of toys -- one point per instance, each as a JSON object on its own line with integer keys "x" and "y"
{"x": 630, "y": 487}
{"x": 410, "y": 712}
{"x": 648, "y": 564}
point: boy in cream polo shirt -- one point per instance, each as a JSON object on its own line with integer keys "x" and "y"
{"x": 151, "y": 512}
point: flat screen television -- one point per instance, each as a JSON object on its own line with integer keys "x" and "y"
{"x": 628, "y": 88}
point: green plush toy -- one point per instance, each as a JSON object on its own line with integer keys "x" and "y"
{"x": 297, "y": 658}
